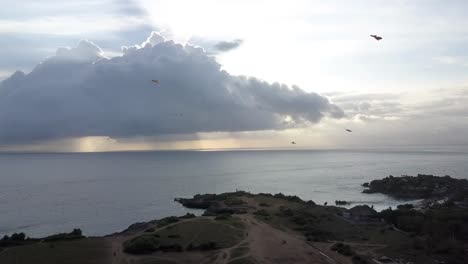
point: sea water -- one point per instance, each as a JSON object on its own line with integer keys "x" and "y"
{"x": 102, "y": 193}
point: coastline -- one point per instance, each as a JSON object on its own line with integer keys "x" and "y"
{"x": 264, "y": 228}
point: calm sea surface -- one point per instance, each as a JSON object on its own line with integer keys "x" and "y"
{"x": 102, "y": 193}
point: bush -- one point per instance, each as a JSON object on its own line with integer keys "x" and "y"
{"x": 261, "y": 212}
{"x": 342, "y": 249}
{"x": 168, "y": 220}
{"x": 149, "y": 230}
{"x": 171, "y": 248}
{"x": 357, "y": 259}
{"x": 15, "y": 237}
{"x": 141, "y": 245}
{"x": 223, "y": 217}
{"x": 299, "y": 220}
{"x": 232, "y": 201}
{"x": 291, "y": 198}
{"x": 263, "y": 204}
{"x": 75, "y": 234}
{"x": 208, "y": 246}
{"x": 313, "y": 233}
{"x": 286, "y": 211}
{"x": 18, "y": 237}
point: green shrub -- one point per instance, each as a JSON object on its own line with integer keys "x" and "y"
{"x": 168, "y": 220}
{"x": 357, "y": 259}
{"x": 141, "y": 245}
{"x": 261, "y": 212}
{"x": 15, "y": 237}
{"x": 75, "y": 234}
{"x": 343, "y": 249}
{"x": 223, "y": 217}
{"x": 18, "y": 237}
{"x": 204, "y": 246}
{"x": 171, "y": 248}
{"x": 149, "y": 230}
{"x": 208, "y": 246}
{"x": 299, "y": 220}
{"x": 232, "y": 201}
{"x": 286, "y": 211}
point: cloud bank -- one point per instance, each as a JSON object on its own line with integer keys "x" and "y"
{"x": 79, "y": 92}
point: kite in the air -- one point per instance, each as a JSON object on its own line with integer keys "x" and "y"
{"x": 376, "y": 37}
{"x": 155, "y": 81}
{"x": 349, "y": 130}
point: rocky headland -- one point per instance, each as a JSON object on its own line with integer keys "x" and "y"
{"x": 422, "y": 186}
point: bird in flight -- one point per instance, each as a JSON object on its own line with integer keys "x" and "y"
{"x": 294, "y": 143}
{"x": 376, "y": 37}
{"x": 155, "y": 81}
{"x": 349, "y": 130}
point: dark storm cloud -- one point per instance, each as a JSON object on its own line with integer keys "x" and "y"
{"x": 78, "y": 92}
{"x": 223, "y": 46}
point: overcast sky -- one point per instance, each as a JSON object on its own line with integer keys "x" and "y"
{"x": 233, "y": 74}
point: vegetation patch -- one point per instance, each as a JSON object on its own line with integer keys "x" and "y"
{"x": 343, "y": 249}
{"x": 223, "y": 217}
{"x": 200, "y": 234}
{"x": 145, "y": 244}
{"x": 75, "y": 234}
{"x": 168, "y": 220}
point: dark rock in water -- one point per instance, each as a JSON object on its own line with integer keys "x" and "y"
{"x": 338, "y": 202}
{"x": 420, "y": 187}
{"x": 366, "y": 184}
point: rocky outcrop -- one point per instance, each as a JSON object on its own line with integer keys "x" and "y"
{"x": 421, "y": 187}
{"x": 214, "y": 204}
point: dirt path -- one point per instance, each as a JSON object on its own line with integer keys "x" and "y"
{"x": 266, "y": 244}
{"x": 270, "y": 246}
{"x": 224, "y": 255}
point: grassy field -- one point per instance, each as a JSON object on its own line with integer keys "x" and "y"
{"x": 192, "y": 234}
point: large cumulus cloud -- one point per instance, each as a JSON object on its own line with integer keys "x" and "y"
{"x": 79, "y": 92}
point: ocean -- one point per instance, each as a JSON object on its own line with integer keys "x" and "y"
{"x": 102, "y": 193}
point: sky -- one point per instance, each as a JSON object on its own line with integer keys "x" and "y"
{"x": 76, "y": 75}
